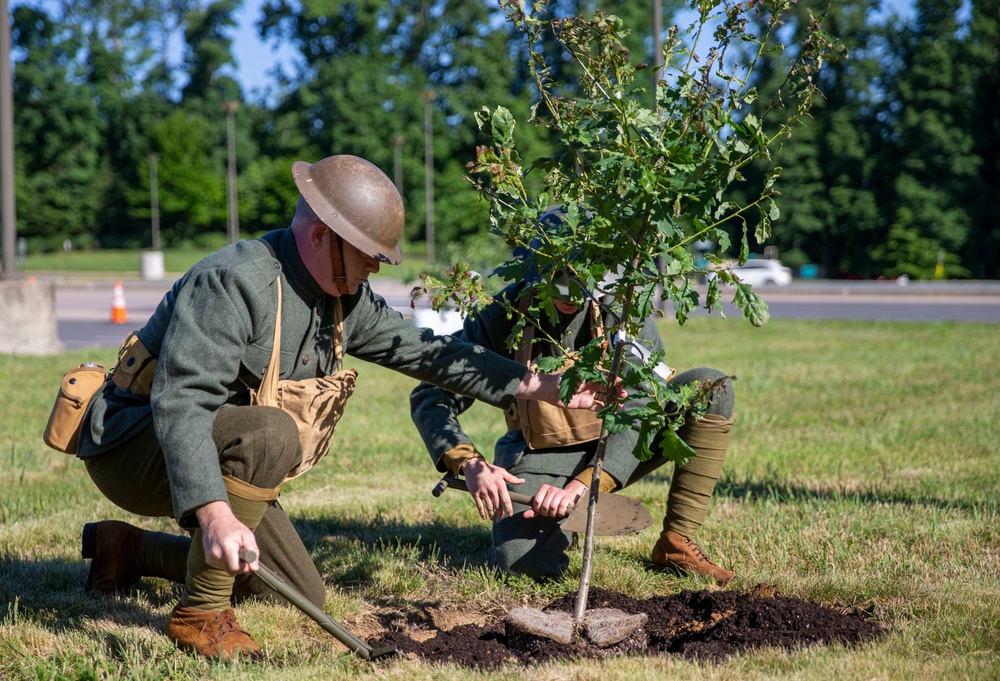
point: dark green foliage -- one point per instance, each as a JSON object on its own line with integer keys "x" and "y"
{"x": 59, "y": 133}
{"x": 893, "y": 171}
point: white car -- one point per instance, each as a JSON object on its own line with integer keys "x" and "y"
{"x": 761, "y": 273}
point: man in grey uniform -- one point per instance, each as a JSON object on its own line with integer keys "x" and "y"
{"x": 548, "y": 452}
{"x": 186, "y": 444}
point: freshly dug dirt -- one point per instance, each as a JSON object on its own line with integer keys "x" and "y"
{"x": 709, "y": 625}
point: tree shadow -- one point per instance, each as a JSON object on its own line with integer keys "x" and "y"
{"x": 438, "y": 542}
{"x": 775, "y": 489}
{"x": 53, "y": 591}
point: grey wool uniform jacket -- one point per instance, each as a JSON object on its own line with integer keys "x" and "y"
{"x": 435, "y": 410}
{"x": 212, "y": 336}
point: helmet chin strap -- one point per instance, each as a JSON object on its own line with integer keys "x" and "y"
{"x": 339, "y": 267}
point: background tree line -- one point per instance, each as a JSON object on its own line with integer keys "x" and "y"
{"x": 895, "y": 173}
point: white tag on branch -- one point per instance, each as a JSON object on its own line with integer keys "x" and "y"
{"x": 637, "y": 350}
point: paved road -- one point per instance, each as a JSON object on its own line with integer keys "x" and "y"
{"x": 83, "y": 307}
{"x": 898, "y": 307}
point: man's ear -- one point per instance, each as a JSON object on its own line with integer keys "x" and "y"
{"x": 316, "y": 235}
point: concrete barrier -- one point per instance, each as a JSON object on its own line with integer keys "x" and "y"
{"x": 28, "y": 317}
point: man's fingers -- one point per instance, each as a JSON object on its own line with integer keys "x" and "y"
{"x": 507, "y": 509}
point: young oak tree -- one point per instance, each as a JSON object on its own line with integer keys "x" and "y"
{"x": 638, "y": 186}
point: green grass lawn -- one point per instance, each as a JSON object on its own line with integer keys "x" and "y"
{"x": 863, "y": 472}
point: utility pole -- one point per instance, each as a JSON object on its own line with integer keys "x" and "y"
{"x": 234, "y": 218}
{"x": 8, "y": 212}
{"x": 154, "y": 200}
{"x": 429, "y": 173}
{"x": 398, "y": 166}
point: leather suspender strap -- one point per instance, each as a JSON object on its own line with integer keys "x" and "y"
{"x": 339, "y": 267}
{"x": 522, "y": 354}
{"x": 338, "y": 334}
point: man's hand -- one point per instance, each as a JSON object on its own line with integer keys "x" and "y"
{"x": 488, "y": 486}
{"x": 545, "y": 388}
{"x": 223, "y": 535}
{"x": 552, "y": 502}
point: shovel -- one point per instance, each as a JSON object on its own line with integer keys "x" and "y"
{"x": 330, "y": 625}
{"x": 616, "y": 514}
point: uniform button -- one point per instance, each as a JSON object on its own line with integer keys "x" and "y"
{"x": 263, "y": 371}
{"x": 277, "y": 265}
{"x": 305, "y": 359}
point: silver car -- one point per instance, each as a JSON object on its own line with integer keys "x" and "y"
{"x": 761, "y": 273}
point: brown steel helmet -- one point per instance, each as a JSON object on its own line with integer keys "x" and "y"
{"x": 357, "y": 201}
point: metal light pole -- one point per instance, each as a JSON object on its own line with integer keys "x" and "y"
{"x": 657, "y": 46}
{"x": 234, "y": 218}
{"x": 429, "y": 173}
{"x": 8, "y": 214}
{"x": 154, "y": 200}
{"x": 398, "y": 165}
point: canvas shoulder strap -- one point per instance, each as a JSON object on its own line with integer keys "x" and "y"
{"x": 267, "y": 394}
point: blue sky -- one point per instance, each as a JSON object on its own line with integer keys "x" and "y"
{"x": 255, "y": 58}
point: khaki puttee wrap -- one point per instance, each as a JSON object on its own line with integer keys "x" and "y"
{"x": 207, "y": 587}
{"x": 693, "y": 484}
{"x": 244, "y": 490}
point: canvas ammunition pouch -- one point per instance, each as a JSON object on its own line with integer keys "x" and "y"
{"x": 78, "y": 387}
{"x": 545, "y": 425}
{"x": 316, "y": 404}
{"x": 133, "y": 373}
{"x": 135, "y": 368}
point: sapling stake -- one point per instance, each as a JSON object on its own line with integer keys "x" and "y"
{"x": 595, "y": 491}
{"x": 580, "y": 607}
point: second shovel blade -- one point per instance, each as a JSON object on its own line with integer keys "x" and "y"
{"x": 615, "y": 515}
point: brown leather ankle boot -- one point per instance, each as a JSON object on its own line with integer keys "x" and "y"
{"x": 113, "y": 547}
{"x": 678, "y": 553}
{"x": 213, "y": 634}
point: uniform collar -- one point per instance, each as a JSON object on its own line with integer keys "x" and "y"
{"x": 295, "y": 270}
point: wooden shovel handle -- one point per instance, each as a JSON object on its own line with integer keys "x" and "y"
{"x": 457, "y": 483}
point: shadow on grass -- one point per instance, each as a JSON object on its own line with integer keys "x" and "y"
{"x": 51, "y": 592}
{"x": 445, "y": 544}
{"x": 784, "y": 491}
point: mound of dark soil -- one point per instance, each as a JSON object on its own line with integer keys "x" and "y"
{"x": 703, "y": 624}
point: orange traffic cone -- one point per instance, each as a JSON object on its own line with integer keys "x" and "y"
{"x": 119, "y": 315}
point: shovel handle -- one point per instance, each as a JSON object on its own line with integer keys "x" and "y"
{"x": 330, "y": 625}
{"x": 457, "y": 483}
